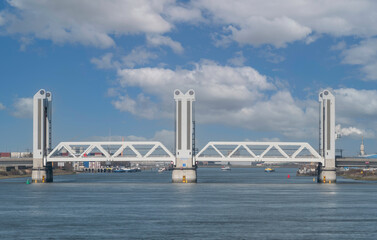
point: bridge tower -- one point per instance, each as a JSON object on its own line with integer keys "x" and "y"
{"x": 42, "y": 115}
{"x": 185, "y": 166}
{"x": 327, "y": 136}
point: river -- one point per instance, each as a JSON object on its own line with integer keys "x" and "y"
{"x": 244, "y": 203}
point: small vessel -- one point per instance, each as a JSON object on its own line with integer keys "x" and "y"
{"x": 225, "y": 168}
{"x": 162, "y": 169}
{"x": 269, "y": 169}
{"x": 122, "y": 170}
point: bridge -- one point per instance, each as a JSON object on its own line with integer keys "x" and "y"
{"x": 185, "y": 159}
{"x": 356, "y": 162}
{"x": 10, "y": 163}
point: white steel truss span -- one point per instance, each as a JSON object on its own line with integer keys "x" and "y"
{"x": 259, "y": 151}
{"x": 110, "y": 151}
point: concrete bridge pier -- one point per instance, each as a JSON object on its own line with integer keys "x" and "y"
{"x": 184, "y": 172}
{"x": 327, "y": 136}
{"x": 40, "y": 173}
{"x": 185, "y": 167}
{"x": 326, "y": 174}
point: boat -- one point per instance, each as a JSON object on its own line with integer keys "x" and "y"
{"x": 162, "y": 169}
{"x": 122, "y": 170}
{"x": 269, "y": 170}
{"x": 225, "y": 168}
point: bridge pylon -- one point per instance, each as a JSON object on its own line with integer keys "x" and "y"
{"x": 42, "y": 115}
{"x": 185, "y": 167}
{"x": 327, "y": 135}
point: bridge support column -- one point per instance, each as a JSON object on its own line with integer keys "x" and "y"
{"x": 42, "y": 114}
{"x": 185, "y": 166}
{"x": 40, "y": 173}
{"x": 185, "y": 175}
{"x": 327, "y": 137}
{"x": 326, "y": 175}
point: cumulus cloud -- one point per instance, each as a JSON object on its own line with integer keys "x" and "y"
{"x": 23, "y": 108}
{"x": 84, "y": 22}
{"x": 242, "y": 97}
{"x": 356, "y": 110}
{"x": 236, "y": 96}
{"x": 353, "y": 103}
{"x": 245, "y": 21}
{"x": 158, "y": 40}
{"x": 364, "y": 54}
{"x": 280, "y": 22}
{"x": 2, "y": 107}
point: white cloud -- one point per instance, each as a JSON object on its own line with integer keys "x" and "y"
{"x": 138, "y": 56}
{"x": 357, "y": 110}
{"x": 236, "y": 96}
{"x": 180, "y": 13}
{"x": 158, "y": 40}
{"x": 23, "y": 108}
{"x": 280, "y": 22}
{"x": 84, "y": 22}
{"x": 352, "y": 103}
{"x": 364, "y": 54}
{"x": 241, "y": 97}
{"x": 238, "y": 60}
{"x": 105, "y": 62}
{"x": 141, "y": 106}
{"x": 258, "y": 30}
{"x": 2, "y": 107}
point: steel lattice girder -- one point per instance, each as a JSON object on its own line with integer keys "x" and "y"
{"x": 106, "y": 155}
{"x": 278, "y": 147}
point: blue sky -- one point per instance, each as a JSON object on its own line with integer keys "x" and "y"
{"x": 256, "y": 67}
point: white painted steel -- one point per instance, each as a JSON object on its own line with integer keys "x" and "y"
{"x": 87, "y": 147}
{"x": 279, "y": 146}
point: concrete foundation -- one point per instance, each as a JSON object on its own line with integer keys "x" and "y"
{"x": 41, "y": 174}
{"x": 187, "y": 175}
{"x": 326, "y": 175}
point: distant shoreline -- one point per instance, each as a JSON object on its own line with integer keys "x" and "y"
{"x": 57, "y": 172}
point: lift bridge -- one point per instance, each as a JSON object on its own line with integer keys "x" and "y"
{"x": 184, "y": 160}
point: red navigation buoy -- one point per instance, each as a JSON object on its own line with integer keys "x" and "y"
{"x": 289, "y": 176}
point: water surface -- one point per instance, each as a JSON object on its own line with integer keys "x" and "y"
{"x": 240, "y": 204}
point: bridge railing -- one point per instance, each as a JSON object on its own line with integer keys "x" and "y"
{"x": 259, "y": 151}
{"x": 110, "y": 151}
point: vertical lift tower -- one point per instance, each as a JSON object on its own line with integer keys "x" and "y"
{"x": 327, "y": 137}
{"x": 42, "y": 114}
{"x": 185, "y": 166}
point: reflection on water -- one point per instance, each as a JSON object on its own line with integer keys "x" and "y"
{"x": 238, "y": 204}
